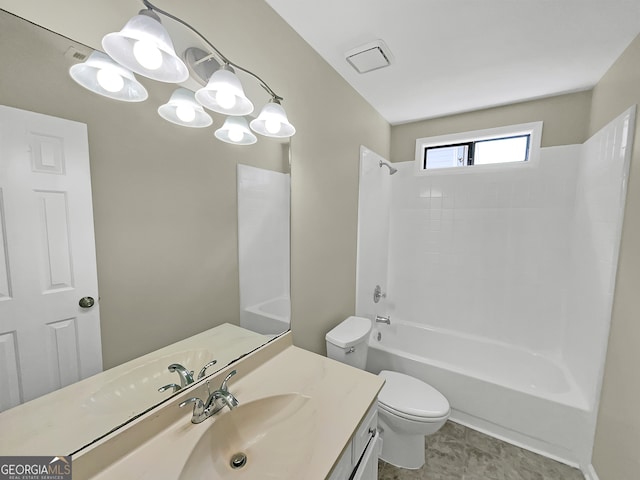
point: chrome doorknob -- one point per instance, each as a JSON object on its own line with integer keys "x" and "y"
{"x": 86, "y": 302}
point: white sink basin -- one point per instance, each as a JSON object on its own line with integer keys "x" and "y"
{"x": 274, "y": 433}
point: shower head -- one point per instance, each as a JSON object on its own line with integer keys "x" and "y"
{"x": 391, "y": 169}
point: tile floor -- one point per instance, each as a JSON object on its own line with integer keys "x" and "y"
{"x": 460, "y": 453}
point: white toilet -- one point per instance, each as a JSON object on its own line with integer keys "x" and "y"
{"x": 408, "y": 408}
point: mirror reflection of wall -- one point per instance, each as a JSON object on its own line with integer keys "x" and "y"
{"x": 263, "y": 249}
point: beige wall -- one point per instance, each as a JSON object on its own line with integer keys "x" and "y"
{"x": 165, "y": 196}
{"x": 616, "y": 454}
{"x": 565, "y": 117}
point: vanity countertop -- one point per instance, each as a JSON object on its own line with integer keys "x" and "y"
{"x": 340, "y": 396}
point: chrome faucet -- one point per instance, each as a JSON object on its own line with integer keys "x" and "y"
{"x": 216, "y": 401}
{"x": 186, "y": 376}
{"x": 381, "y": 319}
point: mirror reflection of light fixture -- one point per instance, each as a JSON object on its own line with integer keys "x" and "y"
{"x": 224, "y": 94}
{"x": 236, "y": 130}
{"x": 182, "y": 109}
{"x": 273, "y": 122}
{"x": 145, "y": 47}
{"x": 105, "y": 77}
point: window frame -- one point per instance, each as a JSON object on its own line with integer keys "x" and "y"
{"x": 533, "y": 130}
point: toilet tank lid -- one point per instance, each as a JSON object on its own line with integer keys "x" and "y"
{"x": 349, "y": 332}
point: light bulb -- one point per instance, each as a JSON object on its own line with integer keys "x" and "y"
{"x": 272, "y": 125}
{"x": 235, "y": 134}
{"x": 109, "y": 80}
{"x": 186, "y": 113}
{"x": 225, "y": 98}
{"x": 147, "y": 54}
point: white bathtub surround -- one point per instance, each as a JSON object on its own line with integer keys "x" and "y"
{"x": 374, "y": 202}
{"x": 595, "y": 234}
{"x": 503, "y": 281}
{"x": 263, "y": 249}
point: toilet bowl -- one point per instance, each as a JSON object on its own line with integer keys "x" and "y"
{"x": 408, "y": 408}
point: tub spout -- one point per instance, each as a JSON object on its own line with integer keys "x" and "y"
{"x": 381, "y": 319}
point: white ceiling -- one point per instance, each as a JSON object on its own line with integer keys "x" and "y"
{"x": 454, "y": 56}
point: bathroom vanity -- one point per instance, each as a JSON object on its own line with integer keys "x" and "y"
{"x": 300, "y": 415}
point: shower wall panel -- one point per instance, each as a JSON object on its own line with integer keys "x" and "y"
{"x": 485, "y": 252}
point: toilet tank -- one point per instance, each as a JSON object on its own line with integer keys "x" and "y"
{"x": 347, "y": 342}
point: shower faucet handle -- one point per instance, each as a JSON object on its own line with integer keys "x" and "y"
{"x": 381, "y": 319}
{"x": 378, "y": 294}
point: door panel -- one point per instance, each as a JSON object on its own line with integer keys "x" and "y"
{"x": 47, "y": 256}
{"x": 54, "y": 224}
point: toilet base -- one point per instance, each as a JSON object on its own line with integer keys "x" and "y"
{"x": 401, "y": 449}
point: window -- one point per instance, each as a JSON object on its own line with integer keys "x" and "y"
{"x": 515, "y": 144}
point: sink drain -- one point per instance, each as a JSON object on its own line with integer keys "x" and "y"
{"x": 238, "y": 460}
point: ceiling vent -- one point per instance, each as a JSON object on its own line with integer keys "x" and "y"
{"x": 370, "y": 56}
{"x": 75, "y": 54}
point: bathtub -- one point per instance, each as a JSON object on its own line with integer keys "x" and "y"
{"x": 522, "y": 397}
{"x": 270, "y": 317}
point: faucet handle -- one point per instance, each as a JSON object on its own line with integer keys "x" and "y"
{"x": 378, "y": 294}
{"x": 198, "y": 405}
{"x": 195, "y": 400}
{"x": 224, "y": 386}
{"x": 167, "y": 387}
{"x": 203, "y": 369}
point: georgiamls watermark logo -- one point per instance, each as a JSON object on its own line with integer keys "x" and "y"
{"x": 35, "y": 468}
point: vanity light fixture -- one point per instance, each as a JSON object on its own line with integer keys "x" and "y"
{"x": 273, "y": 121}
{"x": 105, "y": 77}
{"x": 182, "y": 109}
{"x": 224, "y": 93}
{"x": 144, "y": 46}
{"x": 236, "y": 130}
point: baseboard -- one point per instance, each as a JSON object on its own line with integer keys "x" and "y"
{"x": 521, "y": 441}
{"x": 591, "y": 474}
{"x": 518, "y": 439}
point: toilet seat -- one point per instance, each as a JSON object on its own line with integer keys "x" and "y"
{"x": 411, "y": 399}
{"x": 412, "y": 418}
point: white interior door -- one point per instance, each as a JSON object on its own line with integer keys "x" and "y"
{"x": 47, "y": 257}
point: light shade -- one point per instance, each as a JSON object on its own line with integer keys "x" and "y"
{"x": 273, "y": 122}
{"x": 144, "y": 46}
{"x": 235, "y": 130}
{"x": 105, "y": 77}
{"x": 224, "y": 94}
{"x": 182, "y": 109}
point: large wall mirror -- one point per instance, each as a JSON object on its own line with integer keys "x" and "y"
{"x": 191, "y": 244}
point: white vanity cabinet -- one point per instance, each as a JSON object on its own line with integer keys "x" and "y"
{"x": 359, "y": 461}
